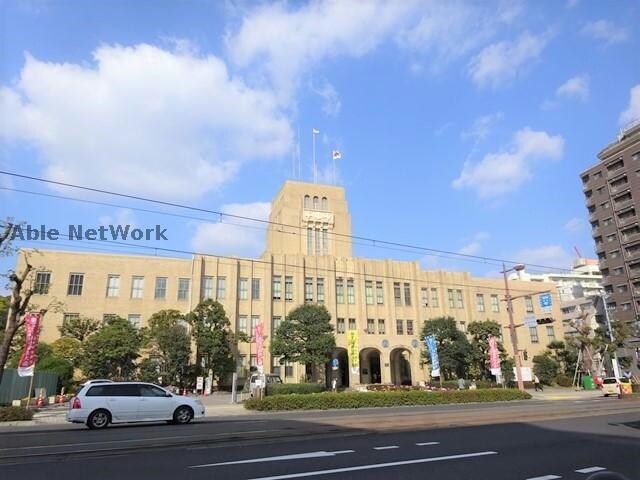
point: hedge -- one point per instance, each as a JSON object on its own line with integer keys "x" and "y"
{"x": 329, "y": 400}
{"x": 289, "y": 388}
{"x": 12, "y": 414}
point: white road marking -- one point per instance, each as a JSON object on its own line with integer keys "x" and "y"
{"x": 296, "y": 456}
{"x": 423, "y": 444}
{"x": 545, "y": 477}
{"x": 388, "y": 447}
{"x": 590, "y": 469}
{"x": 377, "y": 465}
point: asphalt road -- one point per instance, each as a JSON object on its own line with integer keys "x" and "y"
{"x": 331, "y": 445}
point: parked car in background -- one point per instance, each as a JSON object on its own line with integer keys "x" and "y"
{"x": 99, "y": 404}
{"x": 613, "y": 385}
{"x": 255, "y": 383}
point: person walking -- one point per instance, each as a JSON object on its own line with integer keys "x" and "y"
{"x": 536, "y": 383}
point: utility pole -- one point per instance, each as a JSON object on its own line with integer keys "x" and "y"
{"x": 614, "y": 360}
{"x": 512, "y": 326}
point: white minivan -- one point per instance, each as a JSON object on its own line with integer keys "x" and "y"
{"x": 98, "y": 405}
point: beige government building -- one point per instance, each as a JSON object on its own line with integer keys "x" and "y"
{"x": 308, "y": 259}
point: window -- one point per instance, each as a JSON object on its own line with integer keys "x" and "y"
{"x": 137, "y": 287}
{"x": 161, "y": 287}
{"x": 288, "y": 289}
{"x": 309, "y": 241}
{"x": 407, "y": 294}
{"x": 371, "y": 326}
{"x": 615, "y": 254}
{"x": 241, "y": 366}
{"x": 276, "y": 321}
{"x": 276, "y": 368}
{"x": 316, "y": 203}
{"x": 207, "y": 288}
{"x": 424, "y": 297}
{"x": 528, "y": 302}
{"x": 340, "y": 325}
{"x": 351, "y": 294}
{"x": 495, "y": 303}
{"x": 452, "y": 303}
{"x": 533, "y": 331}
{"x": 255, "y": 320}
{"x": 320, "y": 289}
{"x": 397, "y": 293}
{"x": 308, "y": 290}
{"x": 134, "y": 320}
{"x": 76, "y": 281}
{"x": 635, "y": 156}
{"x": 434, "y": 298}
{"x": 340, "y": 290}
{"x": 255, "y": 289}
{"x": 607, "y": 221}
{"x": 409, "y": 327}
{"x": 276, "y": 287}
{"x": 352, "y": 324}
{"x": 597, "y": 175}
{"x": 113, "y": 285}
{"x": 253, "y": 361}
{"x": 325, "y": 243}
{"x": 379, "y": 293}
{"x": 550, "y": 333}
{"x": 381, "y": 327}
{"x": 307, "y": 201}
{"x": 480, "y": 302}
{"x": 221, "y": 291}
{"x": 242, "y": 324}
{"x": 618, "y": 271}
{"x": 459, "y": 303}
{"x": 318, "y": 246}
{"x": 325, "y": 204}
{"x": 399, "y": 327}
{"x": 107, "y": 317}
{"x": 43, "y": 279}
{"x": 67, "y": 317}
{"x": 463, "y": 327}
{"x": 611, "y": 238}
{"x": 183, "y": 288}
{"x": 288, "y": 369}
{"x": 243, "y": 289}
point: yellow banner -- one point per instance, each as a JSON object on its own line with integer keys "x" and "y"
{"x": 354, "y": 353}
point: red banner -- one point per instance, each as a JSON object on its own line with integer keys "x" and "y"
{"x": 29, "y": 356}
{"x": 257, "y": 334}
{"x": 494, "y": 355}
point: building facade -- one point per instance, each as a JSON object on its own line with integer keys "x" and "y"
{"x": 379, "y": 304}
{"x": 612, "y": 192}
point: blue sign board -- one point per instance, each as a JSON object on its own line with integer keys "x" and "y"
{"x": 545, "y": 301}
{"x": 335, "y": 364}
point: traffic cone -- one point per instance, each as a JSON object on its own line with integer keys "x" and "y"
{"x": 60, "y": 399}
{"x": 40, "y": 402}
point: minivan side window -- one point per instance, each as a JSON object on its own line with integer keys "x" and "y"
{"x": 114, "y": 391}
{"x": 151, "y": 391}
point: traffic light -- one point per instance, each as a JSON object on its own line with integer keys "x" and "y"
{"x": 525, "y": 355}
{"x": 543, "y": 321}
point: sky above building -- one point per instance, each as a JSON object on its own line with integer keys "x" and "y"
{"x": 463, "y": 126}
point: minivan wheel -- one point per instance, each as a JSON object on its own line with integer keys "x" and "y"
{"x": 182, "y": 415}
{"x": 98, "y": 419}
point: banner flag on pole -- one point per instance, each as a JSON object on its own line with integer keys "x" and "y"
{"x": 337, "y": 155}
{"x": 316, "y": 131}
{"x": 27, "y": 362}
{"x": 258, "y": 335}
{"x": 494, "y": 355}
{"x": 430, "y": 342}
{"x": 354, "y": 354}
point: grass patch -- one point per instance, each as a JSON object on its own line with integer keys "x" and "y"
{"x": 12, "y": 414}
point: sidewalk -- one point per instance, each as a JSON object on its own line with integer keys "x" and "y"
{"x": 560, "y": 393}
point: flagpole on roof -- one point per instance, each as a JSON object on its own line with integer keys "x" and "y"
{"x": 314, "y": 132}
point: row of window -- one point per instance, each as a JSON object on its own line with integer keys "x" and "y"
{"x": 318, "y": 204}
{"x": 276, "y": 366}
{"x": 318, "y": 238}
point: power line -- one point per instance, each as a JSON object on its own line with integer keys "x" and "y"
{"x": 240, "y": 225}
{"x": 268, "y": 222}
{"x": 234, "y": 260}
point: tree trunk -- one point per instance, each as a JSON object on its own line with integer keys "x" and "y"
{"x": 5, "y": 346}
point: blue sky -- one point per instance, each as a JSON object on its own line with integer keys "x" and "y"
{"x": 463, "y": 126}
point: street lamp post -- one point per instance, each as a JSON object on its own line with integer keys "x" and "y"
{"x": 512, "y": 325}
{"x": 614, "y": 360}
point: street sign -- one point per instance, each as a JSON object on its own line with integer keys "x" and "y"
{"x": 199, "y": 383}
{"x": 545, "y": 302}
{"x": 335, "y": 364}
{"x": 530, "y": 321}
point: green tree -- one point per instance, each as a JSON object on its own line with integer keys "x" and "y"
{"x": 170, "y": 341}
{"x": 47, "y": 361}
{"x": 454, "y": 350}
{"x": 546, "y": 368}
{"x": 149, "y": 370}
{"x": 213, "y": 339}
{"x": 306, "y": 337}
{"x": 480, "y": 333}
{"x": 68, "y": 348}
{"x": 564, "y": 354}
{"x": 79, "y": 328}
{"x": 111, "y": 351}
{"x": 506, "y": 365}
{"x": 4, "y": 311}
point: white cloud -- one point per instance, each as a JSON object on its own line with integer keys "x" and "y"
{"x": 575, "y": 225}
{"x": 243, "y": 238}
{"x": 503, "y": 172}
{"x": 572, "y": 3}
{"x": 474, "y": 247}
{"x": 332, "y": 104}
{"x": 501, "y": 62}
{"x": 606, "y": 31}
{"x": 482, "y": 126}
{"x": 633, "y": 111}
{"x": 575, "y": 88}
{"x": 143, "y": 120}
{"x": 122, "y": 216}
{"x": 442, "y": 129}
{"x": 548, "y": 256}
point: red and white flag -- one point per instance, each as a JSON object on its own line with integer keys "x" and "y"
{"x": 494, "y": 356}
{"x": 337, "y": 155}
{"x": 29, "y": 356}
{"x": 258, "y": 335}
